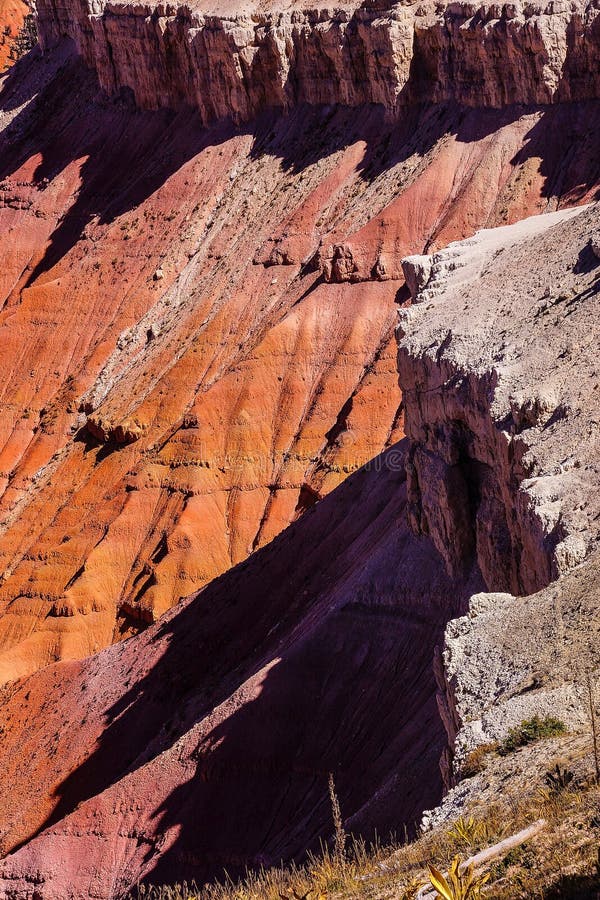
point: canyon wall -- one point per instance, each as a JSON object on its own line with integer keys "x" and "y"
{"x": 206, "y": 741}
{"x": 238, "y": 63}
{"x": 197, "y": 324}
{"x": 198, "y": 336}
{"x": 497, "y": 362}
{"x": 510, "y": 659}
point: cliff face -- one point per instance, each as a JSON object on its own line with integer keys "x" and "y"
{"x": 497, "y": 362}
{"x": 198, "y": 325}
{"x": 205, "y": 742}
{"x": 473, "y": 433}
{"x": 239, "y": 63}
{"x": 198, "y": 340}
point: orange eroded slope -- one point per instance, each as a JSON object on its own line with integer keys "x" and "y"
{"x": 197, "y": 327}
{"x": 12, "y": 15}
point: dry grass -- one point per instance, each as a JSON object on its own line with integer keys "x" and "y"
{"x": 560, "y": 863}
{"x": 475, "y": 761}
{"x": 327, "y": 873}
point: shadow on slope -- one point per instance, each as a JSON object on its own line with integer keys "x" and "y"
{"x": 128, "y": 154}
{"x": 565, "y": 141}
{"x": 313, "y": 656}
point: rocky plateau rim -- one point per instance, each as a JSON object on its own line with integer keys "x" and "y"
{"x": 235, "y": 63}
{"x": 315, "y": 14}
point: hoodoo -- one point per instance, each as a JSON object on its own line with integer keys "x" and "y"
{"x": 298, "y": 433}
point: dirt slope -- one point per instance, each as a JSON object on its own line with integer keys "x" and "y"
{"x": 205, "y": 742}
{"x": 190, "y": 360}
{"x": 12, "y": 16}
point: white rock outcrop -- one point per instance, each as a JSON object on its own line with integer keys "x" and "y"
{"x": 498, "y": 366}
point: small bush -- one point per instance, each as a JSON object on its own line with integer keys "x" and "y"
{"x": 529, "y": 731}
{"x": 474, "y": 762}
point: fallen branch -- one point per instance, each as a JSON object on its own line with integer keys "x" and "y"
{"x": 484, "y": 856}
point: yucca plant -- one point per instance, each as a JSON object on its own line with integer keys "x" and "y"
{"x": 559, "y": 779}
{"x": 467, "y": 831}
{"x": 460, "y": 885}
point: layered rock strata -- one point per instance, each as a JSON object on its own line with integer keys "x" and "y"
{"x": 197, "y": 324}
{"x": 237, "y": 63}
{"x": 206, "y": 742}
{"x": 198, "y": 744}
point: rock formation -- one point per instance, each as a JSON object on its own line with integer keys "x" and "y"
{"x": 12, "y": 18}
{"x": 464, "y": 479}
{"x": 262, "y": 57}
{"x": 144, "y": 751}
{"x": 155, "y": 430}
{"x": 205, "y": 248}
{"x": 498, "y": 368}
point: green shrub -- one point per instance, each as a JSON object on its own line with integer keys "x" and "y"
{"x": 531, "y": 730}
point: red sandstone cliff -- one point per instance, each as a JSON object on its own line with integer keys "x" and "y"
{"x": 199, "y": 298}
{"x": 198, "y": 323}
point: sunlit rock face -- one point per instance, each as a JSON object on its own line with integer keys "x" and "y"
{"x": 245, "y": 59}
{"x": 202, "y": 268}
{"x": 198, "y": 321}
{"x": 12, "y": 19}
